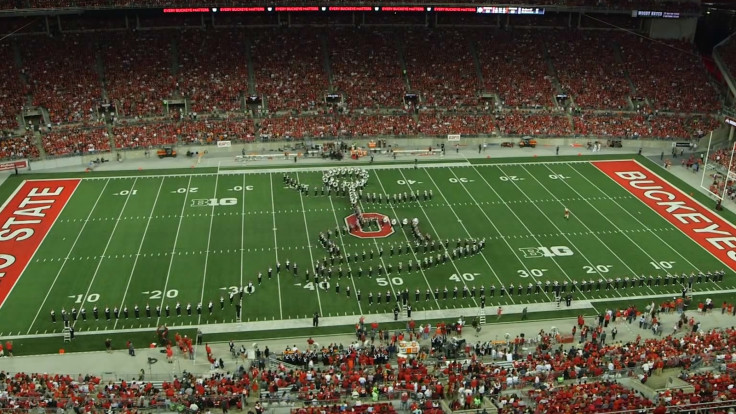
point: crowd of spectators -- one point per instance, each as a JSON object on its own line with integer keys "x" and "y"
{"x": 512, "y": 64}
{"x": 62, "y": 77}
{"x": 670, "y": 74}
{"x": 12, "y": 87}
{"x": 18, "y": 147}
{"x": 610, "y": 125}
{"x": 444, "y": 80}
{"x": 138, "y": 71}
{"x": 75, "y": 141}
{"x": 535, "y": 123}
{"x": 213, "y": 130}
{"x": 367, "y": 370}
{"x": 144, "y": 135}
{"x": 443, "y": 123}
{"x": 595, "y": 397}
{"x": 587, "y": 69}
{"x": 365, "y": 66}
{"x": 289, "y": 69}
{"x": 213, "y": 70}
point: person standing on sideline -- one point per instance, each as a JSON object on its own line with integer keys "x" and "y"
{"x": 499, "y": 312}
{"x": 614, "y": 331}
{"x": 523, "y": 314}
{"x": 131, "y": 350}
{"x": 557, "y": 151}
{"x": 108, "y": 345}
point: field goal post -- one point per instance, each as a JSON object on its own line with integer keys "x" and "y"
{"x": 715, "y": 168}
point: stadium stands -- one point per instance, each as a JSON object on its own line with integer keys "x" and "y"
{"x": 137, "y": 71}
{"x": 669, "y": 74}
{"x": 513, "y": 66}
{"x": 289, "y": 69}
{"x": 443, "y": 80}
{"x": 75, "y": 141}
{"x": 488, "y": 81}
{"x": 48, "y": 63}
{"x": 365, "y": 66}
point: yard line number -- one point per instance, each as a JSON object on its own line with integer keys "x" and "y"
{"x": 460, "y": 277}
{"x": 531, "y": 272}
{"x": 384, "y": 281}
{"x": 158, "y": 294}
{"x": 664, "y": 264}
{"x": 597, "y": 269}
{"x": 92, "y": 297}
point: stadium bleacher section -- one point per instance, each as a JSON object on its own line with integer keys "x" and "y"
{"x": 529, "y": 373}
{"x": 488, "y": 82}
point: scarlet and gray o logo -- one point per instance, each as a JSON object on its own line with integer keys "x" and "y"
{"x": 384, "y": 226}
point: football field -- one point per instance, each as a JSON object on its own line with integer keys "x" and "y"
{"x": 192, "y": 239}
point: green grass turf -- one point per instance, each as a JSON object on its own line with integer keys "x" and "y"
{"x": 104, "y": 250}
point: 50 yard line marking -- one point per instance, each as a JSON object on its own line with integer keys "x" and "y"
{"x": 138, "y": 253}
{"x": 242, "y": 246}
{"x": 276, "y": 246}
{"x": 102, "y": 256}
{"x": 63, "y": 264}
{"x": 173, "y": 249}
{"x": 413, "y": 253}
{"x": 309, "y": 242}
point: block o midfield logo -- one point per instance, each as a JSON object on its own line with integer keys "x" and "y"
{"x": 384, "y": 230}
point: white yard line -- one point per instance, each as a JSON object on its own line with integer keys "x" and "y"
{"x": 173, "y": 249}
{"x": 276, "y": 247}
{"x": 207, "y": 250}
{"x": 600, "y": 275}
{"x": 591, "y": 232}
{"x": 309, "y": 243}
{"x": 242, "y": 243}
{"x": 505, "y": 239}
{"x": 442, "y": 246}
{"x": 140, "y": 247}
{"x": 56, "y": 278}
{"x": 104, "y": 251}
{"x": 523, "y": 223}
{"x": 345, "y": 254}
{"x": 677, "y": 252}
{"x": 413, "y": 253}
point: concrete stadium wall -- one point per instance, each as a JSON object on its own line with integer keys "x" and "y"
{"x": 673, "y": 28}
{"x": 278, "y": 148}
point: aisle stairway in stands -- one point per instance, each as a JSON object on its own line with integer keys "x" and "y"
{"x": 251, "y": 72}
{"x": 620, "y": 59}
{"x": 402, "y": 60}
{"x": 326, "y": 62}
{"x": 552, "y": 72}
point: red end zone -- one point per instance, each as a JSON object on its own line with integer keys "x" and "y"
{"x": 25, "y": 221}
{"x": 702, "y": 225}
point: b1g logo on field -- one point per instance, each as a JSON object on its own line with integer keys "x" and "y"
{"x": 553, "y": 251}
{"x": 214, "y": 202}
{"x": 383, "y": 229}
